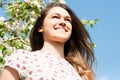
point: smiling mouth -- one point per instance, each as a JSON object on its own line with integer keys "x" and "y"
{"x": 64, "y": 28}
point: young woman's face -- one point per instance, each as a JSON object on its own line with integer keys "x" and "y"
{"x": 57, "y": 25}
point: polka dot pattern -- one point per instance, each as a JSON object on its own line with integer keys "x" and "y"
{"x": 38, "y": 65}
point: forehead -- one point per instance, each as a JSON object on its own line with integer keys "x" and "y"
{"x": 58, "y": 10}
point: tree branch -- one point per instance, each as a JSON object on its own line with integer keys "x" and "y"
{"x": 18, "y": 38}
{"x": 9, "y": 19}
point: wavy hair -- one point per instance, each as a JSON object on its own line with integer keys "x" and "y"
{"x": 78, "y": 50}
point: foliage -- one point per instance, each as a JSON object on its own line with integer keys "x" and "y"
{"x": 90, "y": 23}
{"x": 21, "y": 15}
{"x": 14, "y": 32}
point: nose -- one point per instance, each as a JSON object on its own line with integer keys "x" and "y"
{"x": 62, "y": 22}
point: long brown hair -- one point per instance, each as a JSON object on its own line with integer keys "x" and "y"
{"x": 78, "y": 50}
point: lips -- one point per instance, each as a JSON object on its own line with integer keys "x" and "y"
{"x": 60, "y": 27}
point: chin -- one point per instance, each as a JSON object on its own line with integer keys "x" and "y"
{"x": 61, "y": 40}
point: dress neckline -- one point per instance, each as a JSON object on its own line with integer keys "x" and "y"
{"x": 50, "y": 54}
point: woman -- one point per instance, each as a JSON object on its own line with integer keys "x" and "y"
{"x": 61, "y": 49}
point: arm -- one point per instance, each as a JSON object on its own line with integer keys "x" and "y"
{"x": 9, "y": 73}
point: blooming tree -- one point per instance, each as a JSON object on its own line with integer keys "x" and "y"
{"x": 15, "y": 28}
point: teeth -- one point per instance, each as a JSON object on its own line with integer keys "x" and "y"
{"x": 65, "y": 28}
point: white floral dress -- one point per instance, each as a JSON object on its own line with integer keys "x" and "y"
{"x": 38, "y": 65}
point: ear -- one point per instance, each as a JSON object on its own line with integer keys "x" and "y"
{"x": 40, "y": 30}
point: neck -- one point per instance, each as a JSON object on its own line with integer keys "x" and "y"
{"x": 54, "y": 48}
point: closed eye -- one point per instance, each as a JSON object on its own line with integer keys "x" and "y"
{"x": 55, "y": 17}
{"x": 68, "y": 19}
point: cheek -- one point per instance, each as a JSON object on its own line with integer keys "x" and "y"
{"x": 71, "y": 30}
{"x": 49, "y": 23}
{"x": 70, "y": 27}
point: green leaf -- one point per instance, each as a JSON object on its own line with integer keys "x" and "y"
{"x": 93, "y": 44}
{"x": 90, "y": 23}
{"x": 1, "y": 46}
{"x": 0, "y": 3}
{"x": 1, "y": 23}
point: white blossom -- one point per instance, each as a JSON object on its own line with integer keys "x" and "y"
{"x": 36, "y": 3}
{"x": 5, "y": 58}
{"x": 33, "y": 14}
{"x": 62, "y": 1}
{"x": 5, "y": 37}
{"x": 32, "y": 19}
{"x": 30, "y": 27}
{"x": 2, "y": 18}
{"x": 1, "y": 55}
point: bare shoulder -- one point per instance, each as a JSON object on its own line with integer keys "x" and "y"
{"x": 9, "y": 73}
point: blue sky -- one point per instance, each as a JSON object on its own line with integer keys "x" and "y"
{"x": 105, "y": 34}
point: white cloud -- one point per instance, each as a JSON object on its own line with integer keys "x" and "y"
{"x": 103, "y": 78}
